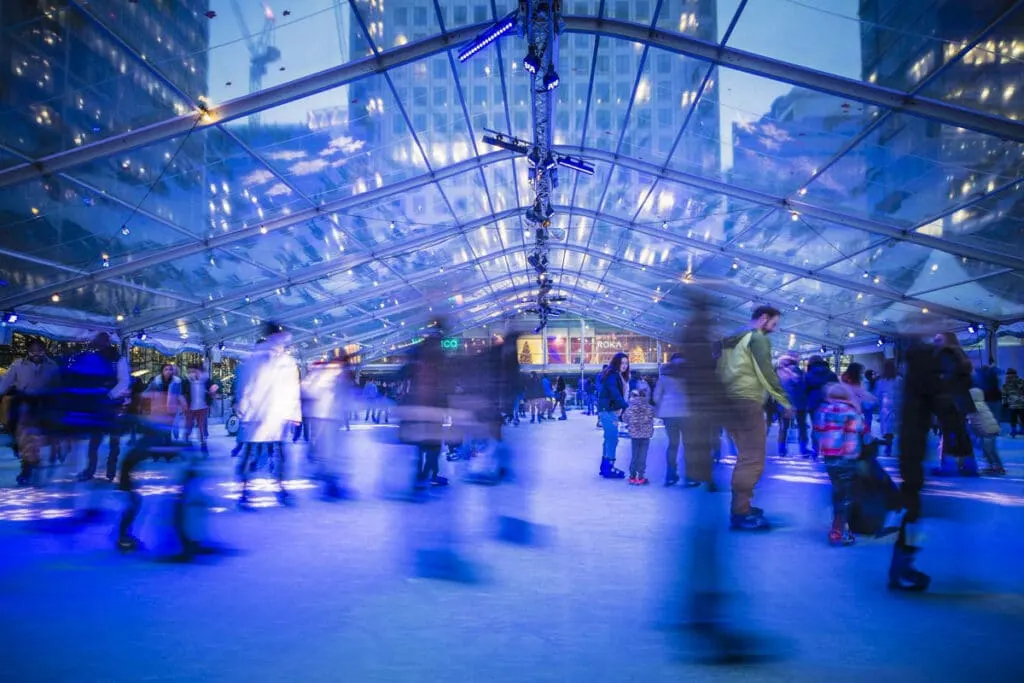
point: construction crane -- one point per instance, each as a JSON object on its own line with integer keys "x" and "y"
{"x": 262, "y": 51}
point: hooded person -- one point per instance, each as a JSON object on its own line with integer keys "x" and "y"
{"x": 270, "y": 402}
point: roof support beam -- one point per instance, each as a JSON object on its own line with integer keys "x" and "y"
{"x": 682, "y": 44}
{"x": 827, "y": 278}
{"x": 297, "y": 278}
{"x": 218, "y": 241}
{"x": 808, "y": 210}
{"x": 776, "y": 70}
{"x": 241, "y": 107}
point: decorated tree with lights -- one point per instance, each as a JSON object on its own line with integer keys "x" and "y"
{"x": 525, "y": 355}
{"x": 637, "y": 355}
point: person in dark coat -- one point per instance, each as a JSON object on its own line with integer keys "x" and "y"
{"x": 792, "y": 379}
{"x": 954, "y": 405}
{"x": 818, "y": 376}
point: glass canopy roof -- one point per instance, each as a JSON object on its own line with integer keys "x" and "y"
{"x": 194, "y": 167}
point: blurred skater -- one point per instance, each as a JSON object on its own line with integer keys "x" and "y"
{"x": 269, "y": 406}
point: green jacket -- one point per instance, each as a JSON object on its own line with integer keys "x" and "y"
{"x": 745, "y": 367}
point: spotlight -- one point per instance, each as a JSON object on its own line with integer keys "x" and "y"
{"x": 881, "y": 341}
{"x": 972, "y": 328}
{"x": 577, "y": 165}
{"x": 550, "y": 79}
{"x": 125, "y": 230}
{"x": 142, "y": 336}
{"x": 487, "y": 37}
{"x": 513, "y": 145}
{"x": 220, "y": 346}
{"x": 10, "y": 317}
{"x": 531, "y": 62}
{"x": 823, "y": 349}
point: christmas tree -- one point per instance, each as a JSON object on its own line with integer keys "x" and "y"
{"x": 525, "y": 355}
{"x": 637, "y": 355}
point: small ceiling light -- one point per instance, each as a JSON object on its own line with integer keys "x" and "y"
{"x": 106, "y": 260}
{"x": 851, "y": 334}
{"x": 55, "y": 298}
{"x": 971, "y": 329}
{"x": 142, "y": 336}
{"x": 924, "y": 310}
{"x": 125, "y": 230}
{"x": 735, "y": 265}
{"x": 120, "y": 318}
{"x": 823, "y": 349}
{"x": 864, "y": 322}
{"x": 881, "y": 341}
{"x": 263, "y": 230}
{"x": 794, "y": 216}
{"x": 803, "y": 191}
{"x": 10, "y": 317}
{"x": 935, "y": 267}
{"x": 877, "y": 279}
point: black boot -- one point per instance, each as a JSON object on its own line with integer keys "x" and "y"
{"x": 902, "y": 574}
{"x": 609, "y": 471}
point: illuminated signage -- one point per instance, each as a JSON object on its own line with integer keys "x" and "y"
{"x": 450, "y": 344}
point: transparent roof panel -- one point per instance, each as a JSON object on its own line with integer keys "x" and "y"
{"x": 910, "y": 169}
{"x": 381, "y": 191}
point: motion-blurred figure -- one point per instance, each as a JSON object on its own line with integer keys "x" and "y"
{"x": 30, "y": 381}
{"x": 326, "y": 404}
{"x": 270, "y": 405}
{"x": 702, "y": 560}
{"x": 163, "y": 396}
{"x": 104, "y": 381}
{"x": 426, "y": 407}
{"x": 197, "y": 392}
{"x": 955, "y": 373}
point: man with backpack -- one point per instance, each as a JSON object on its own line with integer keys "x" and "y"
{"x": 745, "y": 366}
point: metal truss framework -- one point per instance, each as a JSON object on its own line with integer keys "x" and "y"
{"x": 381, "y": 62}
{"x": 116, "y": 271}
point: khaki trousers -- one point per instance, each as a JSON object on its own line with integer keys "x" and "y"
{"x": 746, "y": 427}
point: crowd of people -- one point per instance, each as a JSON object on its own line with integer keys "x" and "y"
{"x": 844, "y": 419}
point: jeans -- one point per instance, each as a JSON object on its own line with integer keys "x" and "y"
{"x": 610, "y": 424}
{"x": 197, "y": 418}
{"x": 95, "y": 439}
{"x": 800, "y": 417}
{"x": 638, "y": 463}
{"x": 674, "y": 431}
{"x": 746, "y": 426}
{"x": 988, "y": 449}
{"x": 842, "y": 472}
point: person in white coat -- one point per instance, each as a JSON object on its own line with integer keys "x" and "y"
{"x": 326, "y": 401}
{"x": 269, "y": 405}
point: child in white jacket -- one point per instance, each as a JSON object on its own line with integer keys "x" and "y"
{"x": 986, "y": 428}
